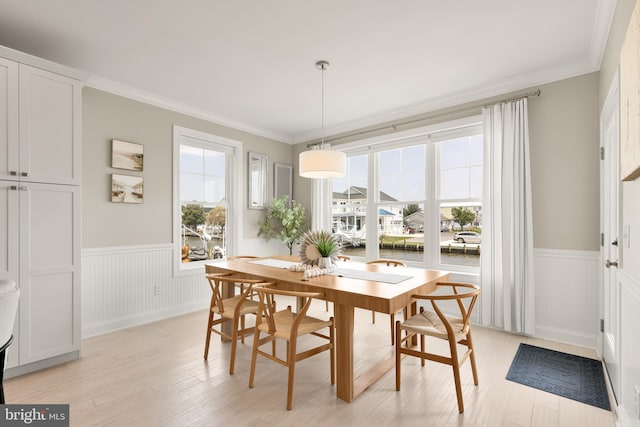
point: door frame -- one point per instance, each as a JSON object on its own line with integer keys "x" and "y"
{"x": 610, "y": 209}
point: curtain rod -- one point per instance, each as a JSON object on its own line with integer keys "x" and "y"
{"x": 408, "y": 122}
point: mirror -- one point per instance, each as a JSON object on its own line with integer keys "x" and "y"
{"x": 258, "y": 178}
{"x": 282, "y": 182}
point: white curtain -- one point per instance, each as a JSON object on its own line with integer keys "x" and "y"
{"x": 506, "y": 274}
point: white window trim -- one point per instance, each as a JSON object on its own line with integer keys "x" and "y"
{"x": 233, "y": 192}
{"x": 431, "y": 133}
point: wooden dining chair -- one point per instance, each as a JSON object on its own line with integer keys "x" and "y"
{"x": 393, "y": 263}
{"x": 289, "y": 326}
{"x": 454, "y": 329}
{"x": 231, "y": 258}
{"x": 232, "y": 309}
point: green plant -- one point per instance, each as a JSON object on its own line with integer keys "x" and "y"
{"x": 284, "y": 222}
{"x": 326, "y": 244}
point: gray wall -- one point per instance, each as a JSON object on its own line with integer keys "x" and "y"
{"x": 107, "y": 117}
{"x": 564, "y": 137}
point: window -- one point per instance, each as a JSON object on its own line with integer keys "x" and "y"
{"x": 205, "y": 206}
{"x": 423, "y": 187}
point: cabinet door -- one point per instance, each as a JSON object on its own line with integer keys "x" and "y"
{"x": 9, "y": 250}
{"x": 8, "y": 119}
{"x": 50, "y": 127}
{"x": 49, "y": 271}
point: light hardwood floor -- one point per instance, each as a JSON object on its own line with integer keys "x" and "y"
{"x": 154, "y": 375}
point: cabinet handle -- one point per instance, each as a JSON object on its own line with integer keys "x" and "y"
{"x": 13, "y": 173}
{"x": 24, "y": 188}
{"x": 13, "y": 187}
{"x": 24, "y": 173}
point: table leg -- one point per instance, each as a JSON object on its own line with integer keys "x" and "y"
{"x": 343, "y": 317}
{"x": 228, "y": 290}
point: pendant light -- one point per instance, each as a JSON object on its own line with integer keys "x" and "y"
{"x": 320, "y": 162}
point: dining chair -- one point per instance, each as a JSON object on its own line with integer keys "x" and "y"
{"x": 232, "y": 309}
{"x": 393, "y": 263}
{"x": 454, "y": 329}
{"x": 243, "y": 257}
{"x": 289, "y": 326}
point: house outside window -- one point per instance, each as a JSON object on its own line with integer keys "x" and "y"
{"x": 424, "y": 188}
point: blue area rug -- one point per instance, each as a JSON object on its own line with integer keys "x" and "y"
{"x": 574, "y": 377}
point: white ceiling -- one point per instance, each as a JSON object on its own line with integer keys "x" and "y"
{"x": 250, "y": 64}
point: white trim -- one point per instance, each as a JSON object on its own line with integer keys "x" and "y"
{"x": 125, "y": 249}
{"x": 138, "y": 319}
{"x": 130, "y": 92}
{"x": 456, "y": 99}
{"x": 566, "y": 253}
{"x": 42, "y": 64}
{"x": 600, "y": 34}
{"x": 233, "y": 191}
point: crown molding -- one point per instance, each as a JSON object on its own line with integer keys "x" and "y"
{"x": 453, "y": 99}
{"x": 135, "y": 94}
{"x": 601, "y": 27}
{"x": 44, "y": 64}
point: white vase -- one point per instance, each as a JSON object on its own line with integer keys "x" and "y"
{"x": 325, "y": 262}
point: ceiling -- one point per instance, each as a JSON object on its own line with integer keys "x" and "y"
{"x": 250, "y": 64}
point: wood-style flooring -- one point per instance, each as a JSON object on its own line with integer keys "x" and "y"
{"x": 154, "y": 375}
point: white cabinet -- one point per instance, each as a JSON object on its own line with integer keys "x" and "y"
{"x": 40, "y": 117}
{"x": 40, "y": 223}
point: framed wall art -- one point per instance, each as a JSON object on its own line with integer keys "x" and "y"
{"x": 127, "y": 155}
{"x": 630, "y": 100}
{"x": 127, "y": 188}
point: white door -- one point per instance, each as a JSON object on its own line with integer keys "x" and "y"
{"x": 610, "y": 203}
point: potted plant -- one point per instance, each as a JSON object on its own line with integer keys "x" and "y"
{"x": 320, "y": 248}
{"x": 284, "y": 222}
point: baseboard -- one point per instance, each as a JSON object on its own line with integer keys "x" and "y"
{"x": 566, "y": 336}
{"x": 41, "y": 364}
{"x": 141, "y": 319}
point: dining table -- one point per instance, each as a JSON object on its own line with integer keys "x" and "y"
{"x": 352, "y": 285}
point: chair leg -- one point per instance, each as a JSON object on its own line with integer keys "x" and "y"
{"x": 254, "y": 357}
{"x": 332, "y": 352}
{"x": 234, "y": 345}
{"x": 472, "y": 358}
{"x": 398, "y": 358}
{"x": 422, "y": 350}
{"x": 208, "y": 338}
{"x": 291, "y": 362}
{"x": 373, "y": 317}
{"x": 326, "y": 305}
{"x": 455, "y": 364}
{"x": 392, "y": 317}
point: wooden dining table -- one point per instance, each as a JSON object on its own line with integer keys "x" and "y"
{"x": 346, "y": 293}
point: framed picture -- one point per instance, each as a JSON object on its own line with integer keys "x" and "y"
{"x": 282, "y": 181}
{"x": 127, "y": 155}
{"x": 630, "y": 100}
{"x": 126, "y": 188}
{"x": 258, "y": 179}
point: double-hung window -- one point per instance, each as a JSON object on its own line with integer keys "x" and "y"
{"x": 414, "y": 196}
{"x": 205, "y": 192}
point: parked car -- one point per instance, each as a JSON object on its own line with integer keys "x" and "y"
{"x": 467, "y": 237}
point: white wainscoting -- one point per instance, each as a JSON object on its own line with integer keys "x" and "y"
{"x": 567, "y": 295}
{"x": 629, "y": 348}
{"x": 118, "y": 289}
{"x": 119, "y": 285}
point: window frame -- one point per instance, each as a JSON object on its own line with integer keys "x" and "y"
{"x": 429, "y": 135}
{"x": 233, "y": 185}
